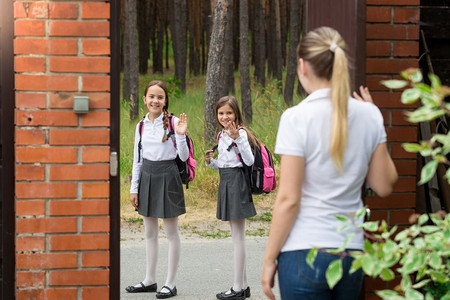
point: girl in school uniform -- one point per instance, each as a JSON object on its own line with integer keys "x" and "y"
{"x": 234, "y": 202}
{"x": 156, "y": 187}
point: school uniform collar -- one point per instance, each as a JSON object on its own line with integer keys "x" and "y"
{"x": 157, "y": 120}
{"x": 318, "y": 94}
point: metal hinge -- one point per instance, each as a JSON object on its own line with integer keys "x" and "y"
{"x": 113, "y": 164}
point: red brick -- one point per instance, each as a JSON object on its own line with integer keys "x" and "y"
{"x": 393, "y": 2}
{"x": 406, "y": 48}
{"x": 19, "y": 10}
{"x": 46, "y": 225}
{"x": 400, "y": 217}
{"x": 30, "y": 243}
{"x": 38, "y": 10}
{"x": 65, "y": 100}
{"x": 27, "y": 190}
{"x": 30, "y": 208}
{"x": 95, "y": 293}
{"x": 392, "y": 32}
{"x": 399, "y": 117}
{"x": 406, "y": 15}
{"x": 46, "y": 261}
{"x": 95, "y": 224}
{"x": 398, "y": 152}
{"x": 95, "y": 10}
{"x": 61, "y": 293}
{"x": 396, "y": 200}
{"x": 30, "y": 279}
{"x": 30, "y": 294}
{"x": 29, "y": 28}
{"x": 30, "y": 100}
{"x": 390, "y": 100}
{"x": 95, "y": 190}
{"x": 96, "y": 119}
{"x": 30, "y": 137}
{"x": 63, "y": 11}
{"x": 406, "y": 184}
{"x": 95, "y": 259}
{"x": 386, "y": 116}
{"x": 43, "y": 46}
{"x": 389, "y": 66}
{"x": 80, "y": 64}
{"x": 79, "y": 29}
{"x": 378, "y": 48}
{"x": 46, "y": 155}
{"x": 78, "y": 207}
{"x": 79, "y": 172}
{"x": 373, "y": 82}
{"x": 95, "y": 154}
{"x": 29, "y": 64}
{"x": 96, "y": 47}
{"x": 374, "y": 284}
{"x": 378, "y": 215}
{"x": 46, "y": 118}
{"x": 79, "y": 277}
{"x": 378, "y": 14}
{"x": 30, "y": 172}
{"x": 46, "y": 83}
{"x": 401, "y": 134}
{"x": 405, "y": 167}
{"x": 79, "y": 137}
{"x": 79, "y": 242}
{"x": 95, "y": 83}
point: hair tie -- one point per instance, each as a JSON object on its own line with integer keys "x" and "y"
{"x": 333, "y": 47}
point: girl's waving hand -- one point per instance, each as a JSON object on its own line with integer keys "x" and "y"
{"x": 233, "y": 130}
{"x": 182, "y": 125}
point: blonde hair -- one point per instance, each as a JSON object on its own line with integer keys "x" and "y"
{"x": 324, "y": 50}
{"x": 166, "y": 105}
{"x": 239, "y": 120}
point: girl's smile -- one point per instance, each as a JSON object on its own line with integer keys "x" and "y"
{"x": 155, "y": 100}
{"x": 226, "y": 116}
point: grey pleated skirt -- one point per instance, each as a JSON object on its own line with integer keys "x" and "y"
{"x": 160, "y": 190}
{"x": 235, "y": 198}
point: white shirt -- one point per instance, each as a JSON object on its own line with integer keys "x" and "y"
{"x": 304, "y": 131}
{"x": 229, "y": 159}
{"x": 154, "y": 149}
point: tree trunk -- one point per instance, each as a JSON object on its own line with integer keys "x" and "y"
{"x": 177, "y": 11}
{"x": 215, "y": 68}
{"x": 131, "y": 79}
{"x": 277, "y": 63}
{"x": 227, "y": 60}
{"x": 194, "y": 36}
{"x": 236, "y": 33}
{"x": 206, "y": 33}
{"x": 144, "y": 28}
{"x": 294, "y": 35}
{"x": 159, "y": 38}
{"x": 260, "y": 43}
{"x": 283, "y": 29}
{"x": 246, "y": 97}
{"x": 302, "y": 30}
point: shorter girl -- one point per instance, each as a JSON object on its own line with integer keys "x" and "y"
{"x": 234, "y": 201}
{"x": 156, "y": 188}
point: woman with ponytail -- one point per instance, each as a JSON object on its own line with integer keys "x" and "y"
{"x": 156, "y": 188}
{"x": 329, "y": 145}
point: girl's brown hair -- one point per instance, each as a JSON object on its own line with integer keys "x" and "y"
{"x": 165, "y": 107}
{"x": 323, "y": 48}
{"x": 239, "y": 120}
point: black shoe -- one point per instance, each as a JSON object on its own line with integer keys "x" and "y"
{"x": 170, "y": 293}
{"x": 141, "y": 289}
{"x": 233, "y": 295}
{"x": 247, "y": 292}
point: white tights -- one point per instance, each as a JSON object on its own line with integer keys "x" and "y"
{"x": 151, "y": 239}
{"x": 238, "y": 236}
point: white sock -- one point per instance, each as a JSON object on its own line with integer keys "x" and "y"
{"x": 171, "y": 229}
{"x": 151, "y": 250}
{"x": 238, "y": 236}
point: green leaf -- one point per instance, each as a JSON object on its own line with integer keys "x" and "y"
{"x": 334, "y": 273}
{"x": 422, "y": 219}
{"x": 311, "y": 257}
{"x": 387, "y": 274}
{"x": 356, "y": 265}
{"x": 370, "y": 226}
{"x": 410, "y": 96}
{"x": 435, "y": 81}
{"x": 438, "y": 276}
{"x": 342, "y": 218}
{"x": 389, "y": 294}
{"x": 394, "y": 84}
{"x": 416, "y": 76}
{"x": 344, "y": 227}
{"x": 406, "y": 282}
{"x": 428, "y": 171}
{"x": 360, "y": 213}
{"x": 435, "y": 260}
{"x": 411, "y": 147}
{"x": 425, "y": 88}
{"x": 447, "y": 175}
{"x": 368, "y": 264}
{"x": 413, "y": 294}
{"x": 429, "y": 229}
{"x": 429, "y": 296}
{"x": 421, "y": 284}
{"x": 390, "y": 248}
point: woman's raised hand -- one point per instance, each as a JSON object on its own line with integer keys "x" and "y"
{"x": 232, "y": 130}
{"x": 182, "y": 125}
{"x": 365, "y": 95}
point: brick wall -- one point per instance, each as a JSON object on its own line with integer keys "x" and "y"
{"x": 62, "y": 159}
{"x": 392, "y": 43}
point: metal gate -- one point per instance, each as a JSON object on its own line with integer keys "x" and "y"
{"x": 7, "y": 186}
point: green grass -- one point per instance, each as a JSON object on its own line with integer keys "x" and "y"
{"x": 268, "y": 105}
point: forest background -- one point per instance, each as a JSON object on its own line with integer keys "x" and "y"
{"x": 196, "y": 48}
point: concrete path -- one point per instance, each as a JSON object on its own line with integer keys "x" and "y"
{"x": 206, "y": 267}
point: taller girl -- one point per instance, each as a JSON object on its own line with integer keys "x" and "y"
{"x": 329, "y": 143}
{"x": 156, "y": 188}
{"x": 234, "y": 201}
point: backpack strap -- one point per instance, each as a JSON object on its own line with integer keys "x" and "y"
{"x": 141, "y": 130}
{"x": 171, "y": 128}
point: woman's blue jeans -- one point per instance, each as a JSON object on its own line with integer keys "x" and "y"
{"x": 298, "y": 281}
